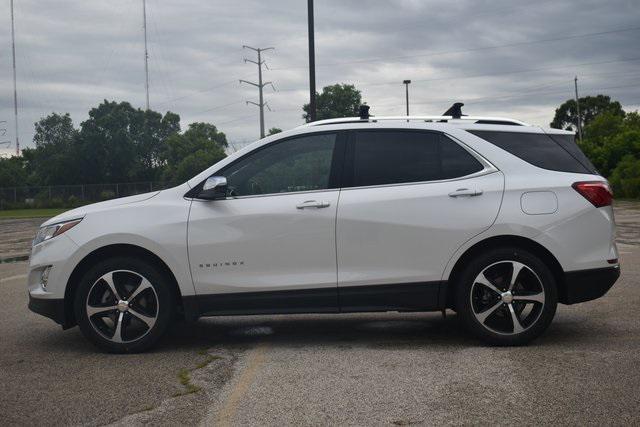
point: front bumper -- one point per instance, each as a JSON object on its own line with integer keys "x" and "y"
{"x": 587, "y": 285}
{"x": 53, "y": 308}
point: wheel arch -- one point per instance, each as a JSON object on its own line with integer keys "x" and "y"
{"x": 110, "y": 251}
{"x": 503, "y": 241}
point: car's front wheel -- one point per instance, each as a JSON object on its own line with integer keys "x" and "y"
{"x": 506, "y": 296}
{"x": 123, "y": 305}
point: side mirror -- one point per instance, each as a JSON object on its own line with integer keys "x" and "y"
{"x": 215, "y": 187}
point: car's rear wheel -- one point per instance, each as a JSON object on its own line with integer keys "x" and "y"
{"x": 506, "y": 296}
{"x": 123, "y": 305}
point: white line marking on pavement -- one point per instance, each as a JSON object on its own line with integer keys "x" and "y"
{"x": 7, "y": 279}
{"x": 230, "y": 407}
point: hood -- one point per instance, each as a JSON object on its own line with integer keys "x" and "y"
{"x": 83, "y": 210}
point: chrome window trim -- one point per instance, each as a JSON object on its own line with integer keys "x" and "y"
{"x": 486, "y": 171}
{"x": 326, "y": 190}
{"x": 488, "y": 168}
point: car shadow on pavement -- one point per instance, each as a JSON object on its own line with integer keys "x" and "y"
{"x": 373, "y": 330}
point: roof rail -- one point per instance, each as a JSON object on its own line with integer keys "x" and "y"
{"x": 453, "y": 114}
{"x": 447, "y": 119}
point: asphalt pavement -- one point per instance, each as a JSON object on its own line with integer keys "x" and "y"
{"x": 364, "y": 369}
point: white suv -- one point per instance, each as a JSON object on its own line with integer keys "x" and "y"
{"x": 491, "y": 217}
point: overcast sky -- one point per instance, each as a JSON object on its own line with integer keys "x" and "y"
{"x": 511, "y": 58}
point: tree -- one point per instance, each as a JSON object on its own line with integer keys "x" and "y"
{"x": 55, "y": 129}
{"x": 12, "y": 172}
{"x": 119, "y": 143}
{"x": 53, "y": 161}
{"x": 274, "y": 131}
{"x": 609, "y": 139}
{"x": 185, "y": 155}
{"x": 339, "y": 100}
{"x": 625, "y": 179}
{"x": 590, "y": 107}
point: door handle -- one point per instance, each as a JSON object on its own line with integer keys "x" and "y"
{"x": 465, "y": 192}
{"x": 312, "y": 204}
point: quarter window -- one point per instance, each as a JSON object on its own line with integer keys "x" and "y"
{"x": 393, "y": 157}
{"x": 553, "y": 152}
{"x": 297, "y": 164}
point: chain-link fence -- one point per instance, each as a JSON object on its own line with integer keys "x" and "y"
{"x": 63, "y": 196}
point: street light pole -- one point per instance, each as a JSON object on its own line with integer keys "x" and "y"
{"x": 406, "y": 84}
{"x": 312, "y": 63}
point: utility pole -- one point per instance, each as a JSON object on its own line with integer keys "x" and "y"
{"x": 406, "y": 84}
{"x": 575, "y": 81}
{"x": 15, "y": 86}
{"x": 312, "y": 63}
{"x": 146, "y": 52}
{"x": 260, "y": 85}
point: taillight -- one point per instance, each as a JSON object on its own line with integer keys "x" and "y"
{"x": 597, "y": 192}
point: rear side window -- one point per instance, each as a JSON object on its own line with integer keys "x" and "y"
{"x": 553, "y": 152}
{"x": 393, "y": 157}
{"x": 568, "y": 142}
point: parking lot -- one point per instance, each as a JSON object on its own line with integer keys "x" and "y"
{"x": 365, "y": 369}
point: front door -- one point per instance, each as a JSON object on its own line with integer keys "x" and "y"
{"x": 411, "y": 199}
{"x": 269, "y": 247}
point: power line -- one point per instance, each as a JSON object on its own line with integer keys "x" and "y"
{"x": 484, "y": 99}
{"x": 474, "y": 76}
{"x": 219, "y": 107}
{"x": 444, "y": 53}
{"x": 481, "y": 48}
{"x": 468, "y": 102}
{"x": 260, "y": 85}
{"x": 197, "y": 92}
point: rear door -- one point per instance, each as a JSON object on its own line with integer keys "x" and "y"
{"x": 409, "y": 200}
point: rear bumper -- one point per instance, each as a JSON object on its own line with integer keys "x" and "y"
{"x": 587, "y": 285}
{"x": 53, "y": 308}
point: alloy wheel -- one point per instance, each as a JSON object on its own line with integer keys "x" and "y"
{"x": 122, "y": 306}
{"x": 507, "y": 297}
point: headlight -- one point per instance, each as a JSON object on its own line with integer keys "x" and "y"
{"x": 51, "y": 231}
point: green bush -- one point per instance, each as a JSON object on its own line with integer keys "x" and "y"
{"x": 55, "y": 202}
{"x": 107, "y": 194}
{"x": 73, "y": 201}
{"x": 625, "y": 178}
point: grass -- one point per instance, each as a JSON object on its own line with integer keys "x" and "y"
{"x": 184, "y": 375}
{"x": 30, "y": 213}
{"x": 185, "y": 379}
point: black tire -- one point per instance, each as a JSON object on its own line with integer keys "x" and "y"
{"x": 532, "y": 317}
{"x": 156, "y": 301}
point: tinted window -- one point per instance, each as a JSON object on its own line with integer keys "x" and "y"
{"x": 568, "y": 142}
{"x": 557, "y": 153}
{"x": 456, "y": 161}
{"x": 298, "y": 164}
{"x": 391, "y": 157}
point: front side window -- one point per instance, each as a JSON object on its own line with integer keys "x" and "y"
{"x": 297, "y": 164}
{"x": 393, "y": 157}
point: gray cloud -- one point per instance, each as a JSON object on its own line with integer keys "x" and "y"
{"x": 73, "y": 54}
